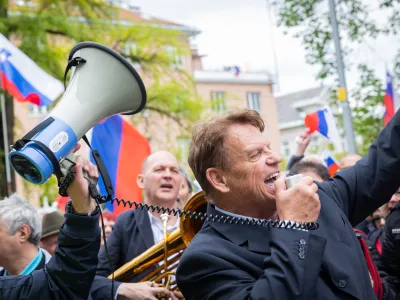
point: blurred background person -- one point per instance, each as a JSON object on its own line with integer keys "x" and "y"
{"x": 393, "y": 201}
{"x": 303, "y": 140}
{"x": 109, "y": 219}
{"x": 311, "y": 167}
{"x": 389, "y": 263}
{"x": 137, "y": 230}
{"x": 349, "y": 160}
{"x": 20, "y": 232}
{"x": 51, "y": 224}
{"x": 185, "y": 190}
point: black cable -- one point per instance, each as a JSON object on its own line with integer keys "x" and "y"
{"x": 105, "y": 247}
{"x": 215, "y": 218}
{"x": 94, "y": 193}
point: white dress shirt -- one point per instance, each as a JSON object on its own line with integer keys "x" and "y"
{"x": 158, "y": 228}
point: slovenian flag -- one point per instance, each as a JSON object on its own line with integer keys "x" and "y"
{"x": 23, "y": 79}
{"x": 332, "y": 165}
{"x": 388, "y": 100}
{"x": 323, "y": 121}
{"x": 123, "y": 150}
{"x": 237, "y": 70}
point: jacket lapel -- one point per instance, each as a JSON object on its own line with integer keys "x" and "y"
{"x": 253, "y": 237}
{"x": 144, "y": 227}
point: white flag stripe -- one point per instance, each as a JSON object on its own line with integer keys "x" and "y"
{"x": 49, "y": 86}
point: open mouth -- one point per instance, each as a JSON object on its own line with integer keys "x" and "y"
{"x": 166, "y": 186}
{"x": 270, "y": 180}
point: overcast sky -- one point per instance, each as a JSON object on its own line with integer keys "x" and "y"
{"x": 238, "y": 32}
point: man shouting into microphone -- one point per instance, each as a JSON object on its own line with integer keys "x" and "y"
{"x": 239, "y": 173}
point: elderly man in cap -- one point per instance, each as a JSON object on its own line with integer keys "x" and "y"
{"x": 51, "y": 224}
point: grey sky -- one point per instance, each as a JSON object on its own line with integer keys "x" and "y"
{"x": 237, "y": 32}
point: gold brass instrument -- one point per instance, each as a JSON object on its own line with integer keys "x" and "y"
{"x": 169, "y": 250}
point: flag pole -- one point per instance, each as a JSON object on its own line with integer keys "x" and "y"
{"x": 5, "y": 137}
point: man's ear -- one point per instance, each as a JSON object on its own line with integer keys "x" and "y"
{"x": 217, "y": 179}
{"x": 24, "y": 233}
{"x": 140, "y": 181}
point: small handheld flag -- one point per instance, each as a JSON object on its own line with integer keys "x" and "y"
{"x": 323, "y": 121}
{"x": 332, "y": 165}
{"x": 388, "y": 100}
{"x": 23, "y": 79}
{"x": 237, "y": 70}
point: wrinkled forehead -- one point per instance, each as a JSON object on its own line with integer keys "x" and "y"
{"x": 244, "y": 137}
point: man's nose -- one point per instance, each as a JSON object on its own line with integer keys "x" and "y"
{"x": 273, "y": 158}
{"x": 167, "y": 173}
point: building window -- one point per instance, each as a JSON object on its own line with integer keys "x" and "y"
{"x": 253, "y": 101}
{"x": 183, "y": 148}
{"x": 177, "y": 60}
{"x": 218, "y": 101}
{"x": 36, "y": 110}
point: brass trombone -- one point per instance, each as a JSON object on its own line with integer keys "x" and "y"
{"x": 169, "y": 250}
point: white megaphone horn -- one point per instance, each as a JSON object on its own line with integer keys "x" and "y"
{"x": 102, "y": 84}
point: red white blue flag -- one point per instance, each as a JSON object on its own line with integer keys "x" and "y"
{"x": 332, "y": 165}
{"x": 323, "y": 121}
{"x": 23, "y": 79}
{"x": 388, "y": 100}
{"x": 123, "y": 149}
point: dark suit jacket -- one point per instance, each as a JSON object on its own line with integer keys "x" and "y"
{"x": 130, "y": 237}
{"x": 389, "y": 262}
{"x": 69, "y": 273}
{"x": 252, "y": 262}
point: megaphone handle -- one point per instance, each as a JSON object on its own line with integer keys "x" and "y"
{"x": 66, "y": 167}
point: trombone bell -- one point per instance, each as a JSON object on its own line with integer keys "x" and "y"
{"x": 169, "y": 250}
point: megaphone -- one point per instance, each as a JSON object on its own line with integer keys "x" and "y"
{"x": 102, "y": 84}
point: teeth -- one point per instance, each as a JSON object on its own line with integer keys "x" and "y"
{"x": 273, "y": 175}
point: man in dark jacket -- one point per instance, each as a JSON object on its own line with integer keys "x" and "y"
{"x": 70, "y": 272}
{"x": 137, "y": 230}
{"x": 239, "y": 173}
{"x": 389, "y": 263}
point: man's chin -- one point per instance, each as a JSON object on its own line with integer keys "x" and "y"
{"x": 167, "y": 198}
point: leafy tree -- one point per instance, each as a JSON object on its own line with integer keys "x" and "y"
{"x": 46, "y": 30}
{"x": 309, "y": 21}
{"x": 367, "y": 108}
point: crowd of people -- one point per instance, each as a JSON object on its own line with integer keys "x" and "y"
{"x": 354, "y": 253}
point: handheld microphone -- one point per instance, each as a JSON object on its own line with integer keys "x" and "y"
{"x": 292, "y": 180}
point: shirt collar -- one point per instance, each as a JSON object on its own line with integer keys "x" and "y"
{"x": 32, "y": 265}
{"x": 156, "y": 221}
{"x": 232, "y": 214}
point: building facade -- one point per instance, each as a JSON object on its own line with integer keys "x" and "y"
{"x": 221, "y": 90}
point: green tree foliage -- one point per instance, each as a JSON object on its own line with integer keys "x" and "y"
{"x": 46, "y": 30}
{"x": 309, "y": 21}
{"x": 367, "y": 108}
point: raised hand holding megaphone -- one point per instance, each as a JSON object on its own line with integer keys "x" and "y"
{"x": 102, "y": 84}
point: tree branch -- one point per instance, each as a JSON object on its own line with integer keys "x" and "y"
{"x": 167, "y": 114}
